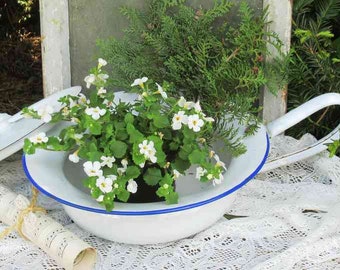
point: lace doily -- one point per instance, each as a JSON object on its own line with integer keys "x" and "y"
{"x": 288, "y": 218}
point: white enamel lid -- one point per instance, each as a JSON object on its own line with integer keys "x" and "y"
{"x": 14, "y": 129}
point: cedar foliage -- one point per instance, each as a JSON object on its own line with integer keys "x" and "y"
{"x": 204, "y": 56}
{"x": 315, "y": 62}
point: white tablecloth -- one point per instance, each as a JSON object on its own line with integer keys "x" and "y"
{"x": 290, "y": 219}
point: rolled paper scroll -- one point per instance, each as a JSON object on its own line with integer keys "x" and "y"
{"x": 60, "y": 244}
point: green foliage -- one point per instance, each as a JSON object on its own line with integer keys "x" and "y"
{"x": 315, "y": 62}
{"x": 204, "y": 55}
{"x": 18, "y": 14}
{"x": 333, "y": 148}
{"x": 154, "y": 139}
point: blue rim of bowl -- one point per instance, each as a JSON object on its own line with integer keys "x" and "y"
{"x": 151, "y": 212}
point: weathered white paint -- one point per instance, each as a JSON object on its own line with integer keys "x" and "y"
{"x": 280, "y": 15}
{"x": 55, "y": 45}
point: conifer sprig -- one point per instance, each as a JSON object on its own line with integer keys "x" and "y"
{"x": 204, "y": 54}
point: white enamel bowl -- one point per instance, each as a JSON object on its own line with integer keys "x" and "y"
{"x": 200, "y": 205}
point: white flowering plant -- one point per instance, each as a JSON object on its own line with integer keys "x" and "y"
{"x": 152, "y": 140}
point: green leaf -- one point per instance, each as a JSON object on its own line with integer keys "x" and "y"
{"x": 118, "y": 148}
{"x": 129, "y": 118}
{"x": 119, "y": 125}
{"x": 152, "y": 176}
{"x": 94, "y": 156}
{"x": 135, "y": 135}
{"x": 54, "y": 143}
{"x": 94, "y": 98}
{"x": 95, "y": 128}
{"x": 123, "y": 195}
{"x": 189, "y": 133}
{"x": 173, "y": 146}
{"x": 90, "y": 182}
{"x": 172, "y": 198}
{"x": 95, "y": 192}
{"x": 197, "y": 157}
{"x": 325, "y": 34}
{"x": 29, "y": 147}
{"x": 167, "y": 179}
{"x": 333, "y": 147}
{"x": 185, "y": 151}
{"x": 158, "y": 143}
{"x": 121, "y": 135}
{"x": 132, "y": 172}
{"x": 335, "y": 60}
{"x": 109, "y": 206}
{"x": 181, "y": 165}
{"x": 108, "y": 130}
{"x": 137, "y": 157}
{"x": 161, "y": 121}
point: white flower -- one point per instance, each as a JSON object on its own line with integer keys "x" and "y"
{"x": 140, "y": 82}
{"x": 197, "y": 107}
{"x": 161, "y": 91}
{"x": 104, "y": 184}
{"x": 101, "y": 91}
{"x": 100, "y": 198}
{"x": 39, "y": 138}
{"x": 200, "y": 172}
{"x": 90, "y": 79}
{"x": 95, "y": 112}
{"x": 166, "y": 186}
{"x": 189, "y": 105}
{"x": 45, "y": 113}
{"x": 181, "y": 102}
{"x": 65, "y": 111}
{"x": 176, "y": 174}
{"x": 219, "y": 163}
{"x": 74, "y": 157}
{"x": 93, "y": 168}
{"x": 72, "y": 103}
{"x": 195, "y": 123}
{"x": 218, "y": 181}
{"x": 103, "y": 77}
{"x": 101, "y": 62}
{"x": 107, "y": 161}
{"x": 179, "y": 119}
{"x": 82, "y": 99}
{"x": 152, "y": 156}
{"x": 112, "y": 177}
{"x": 124, "y": 162}
{"x": 209, "y": 119}
{"x": 132, "y": 186}
{"x": 142, "y": 165}
{"x": 186, "y": 104}
{"x": 144, "y": 147}
{"x": 74, "y": 120}
{"x": 148, "y": 150}
{"x": 122, "y": 170}
{"x": 78, "y": 136}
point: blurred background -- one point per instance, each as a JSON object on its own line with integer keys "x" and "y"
{"x": 20, "y": 54}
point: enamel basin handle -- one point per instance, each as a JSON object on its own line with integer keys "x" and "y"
{"x": 295, "y": 116}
